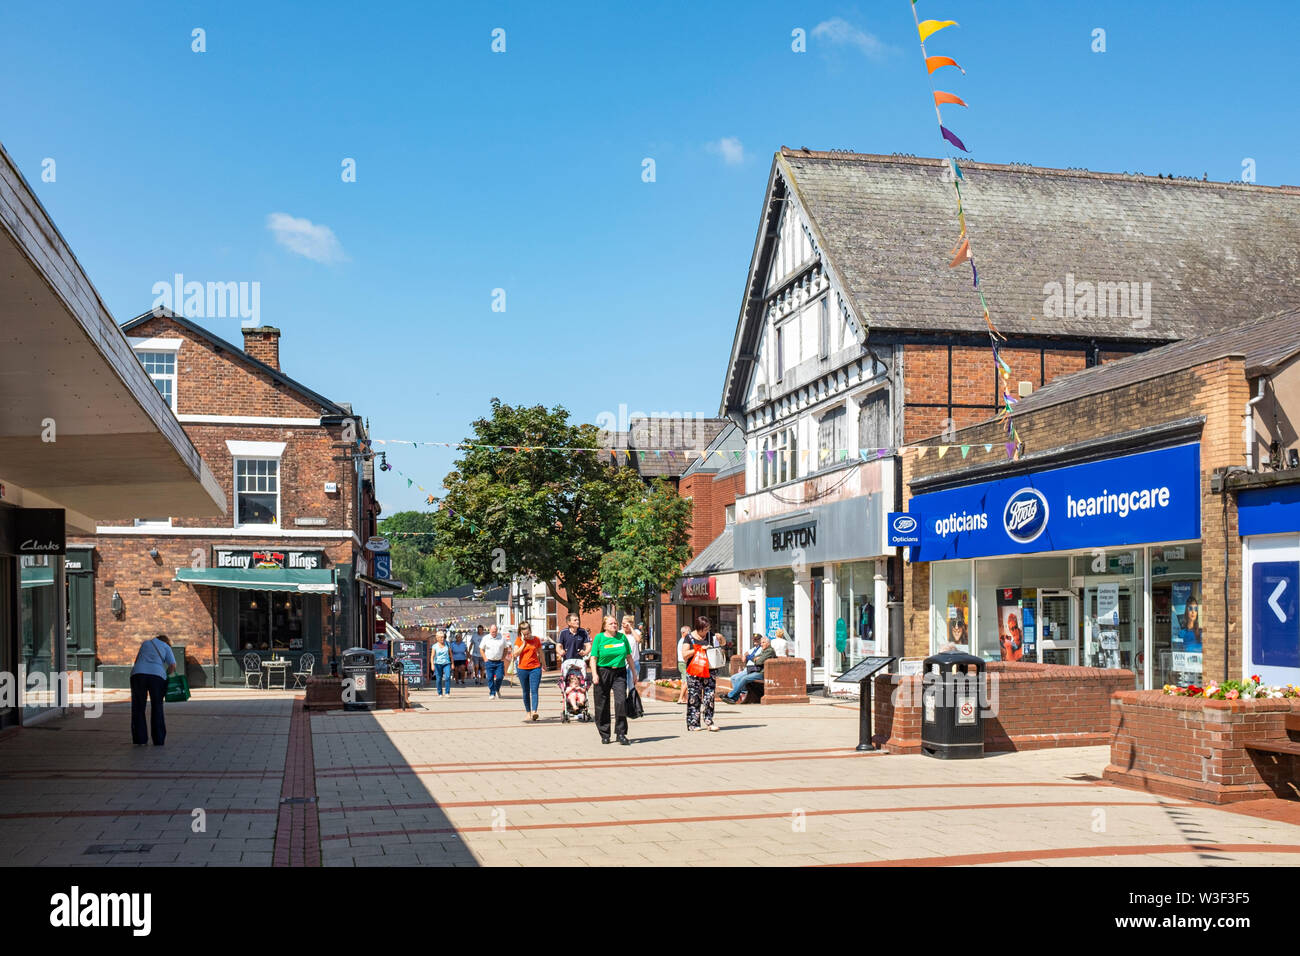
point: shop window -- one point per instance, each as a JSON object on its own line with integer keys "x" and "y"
{"x": 161, "y": 367}
{"x": 1176, "y": 651}
{"x": 270, "y": 621}
{"x": 950, "y": 586}
{"x": 38, "y": 631}
{"x": 855, "y": 589}
{"x": 257, "y": 491}
{"x": 778, "y": 611}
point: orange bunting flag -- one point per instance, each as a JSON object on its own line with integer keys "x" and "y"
{"x": 960, "y": 253}
{"x": 928, "y": 27}
{"x": 941, "y": 97}
{"x": 933, "y": 63}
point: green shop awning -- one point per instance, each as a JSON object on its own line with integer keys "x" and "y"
{"x": 314, "y": 581}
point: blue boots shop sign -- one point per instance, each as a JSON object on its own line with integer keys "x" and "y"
{"x": 1134, "y": 499}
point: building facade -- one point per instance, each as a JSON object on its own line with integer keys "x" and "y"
{"x": 855, "y": 339}
{"x": 286, "y": 573}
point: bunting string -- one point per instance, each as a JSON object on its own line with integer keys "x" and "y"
{"x": 962, "y": 250}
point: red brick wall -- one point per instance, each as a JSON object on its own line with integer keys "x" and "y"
{"x": 1033, "y": 706}
{"x": 263, "y": 343}
{"x": 1195, "y": 749}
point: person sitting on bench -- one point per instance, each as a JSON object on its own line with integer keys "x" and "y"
{"x": 752, "y": 672}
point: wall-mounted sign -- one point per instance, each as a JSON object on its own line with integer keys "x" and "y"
{"x": 706, "y": 588}
{"x": 384, "y": 566}
{"x": 802, "y": 536}
{"x": 282, "y": 558}
{"x": 378, "y": 544}
{"x": 1132, "y": 499}
{"x": 904, "y": 529}
{"x": 34, "y": 530}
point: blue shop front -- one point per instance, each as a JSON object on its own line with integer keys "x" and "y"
{"x": 1095, "y": 564}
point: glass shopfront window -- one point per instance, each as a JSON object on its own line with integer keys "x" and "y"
{"x": 1007, "y": 625}
{"x": 1176, "y": 615}
{"x": 779, "y": 609}
{"x": 855, "y": 588}
{"x": 1110, "y": 587}
{"x": 270, "y": 621}
{"x": 38, "y": 610}
{"x": 951, "y": 608}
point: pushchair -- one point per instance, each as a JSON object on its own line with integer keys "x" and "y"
{"x": 575, "y": 688}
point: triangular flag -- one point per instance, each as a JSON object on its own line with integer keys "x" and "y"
{"x": 988, "y": 447}
{"x": 956, "y": 171}
{"x": 943, "y": 450}
{"x": 1011, "y": 449}
{"x": 928, "y": 28}
{"x": 882, "y": 452}
{"x": 960, "y": 253}
{"x": 933, "y": 63}
{"x": 408, "y": 484}
{"x": 951, "y": 137}
{"x": 921, "y": 450}
{"x": 941, "y": 97}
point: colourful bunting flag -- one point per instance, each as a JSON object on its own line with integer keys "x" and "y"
{"x": 940, "y": 97}
{"x": 933, "y": 63}
{"x": 928, "y": 28}
{"x": 952, "y": 138}
{"x": 960, "y": 253}
{"x": 965, "y": 450}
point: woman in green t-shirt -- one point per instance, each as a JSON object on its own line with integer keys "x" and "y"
{"x": 610, "y": 653}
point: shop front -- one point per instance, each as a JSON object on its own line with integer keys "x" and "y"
{"x": 818, "y": 575}
{"x": 1269, "y": 524}
{"x": 268, "y": 602}
{"x": 1096, "y": 564}
{"x": 717, "y": 597}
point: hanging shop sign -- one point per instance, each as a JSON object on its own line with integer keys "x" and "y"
{"x": 281, "y": 558}
{"x": 1133, "y": 499}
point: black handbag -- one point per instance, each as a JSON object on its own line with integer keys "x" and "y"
{"x": 634, "y": 707}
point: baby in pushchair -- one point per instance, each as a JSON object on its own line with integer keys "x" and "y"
{"x": 573, "y": 688}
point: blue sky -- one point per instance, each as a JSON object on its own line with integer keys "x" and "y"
{"x": 522, "y": 170}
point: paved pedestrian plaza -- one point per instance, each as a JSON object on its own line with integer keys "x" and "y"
{"x": 249, "y": 778}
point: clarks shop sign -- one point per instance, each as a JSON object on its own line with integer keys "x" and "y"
{"x": 32, "y": 531}
{"x": 281, "y": 558}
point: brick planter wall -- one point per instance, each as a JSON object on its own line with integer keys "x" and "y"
{"x": 326, "y": 693}
{"x": 1194, "y": 749}
{"x": 784, "y": 681}
{"x": 1034, "y": 706}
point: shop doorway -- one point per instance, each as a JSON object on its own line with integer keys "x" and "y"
{"x": 1058, "y": 626}
{"x": 818, "y": 630}
{"x": 1110, "y": 626}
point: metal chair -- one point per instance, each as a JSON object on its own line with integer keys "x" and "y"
{"x": 305, "y": 665}
{"x": 252, "y": 670}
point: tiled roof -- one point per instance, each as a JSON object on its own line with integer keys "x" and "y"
{"x": 1215, "y": 254}
{"x": 664, "y": 447}
{"x": 718, "y": 558}
{"x": 1264, "y": 342}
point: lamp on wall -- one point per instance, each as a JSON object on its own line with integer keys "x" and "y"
{"x": 153, "y": 553}
{"x": 116, "y": 605}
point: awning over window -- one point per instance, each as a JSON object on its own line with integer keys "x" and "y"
{"x": 311, "y": 581}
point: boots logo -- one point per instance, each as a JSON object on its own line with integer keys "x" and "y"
{"x": 1025, "y": 516}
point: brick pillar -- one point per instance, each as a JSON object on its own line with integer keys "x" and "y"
{"x": 784, "y": 681}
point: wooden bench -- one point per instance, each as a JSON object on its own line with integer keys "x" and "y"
{"x": 1289, "y": 747}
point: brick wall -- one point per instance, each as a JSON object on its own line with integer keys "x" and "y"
{"x": 1031, "y": 707}
{"x": 1217, "y": 390}
{"x": 1194, "y": 749}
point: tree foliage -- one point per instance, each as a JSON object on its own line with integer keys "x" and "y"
{"x": 415, "y": 563}
{"x": 649, "y": 548}
{"x": 544, "y": 509}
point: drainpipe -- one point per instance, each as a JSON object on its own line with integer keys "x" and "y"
{"x": 1247, "y": 430}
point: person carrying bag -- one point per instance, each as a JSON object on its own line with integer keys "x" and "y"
{"x": 153, "y": 662}
{"x": 701, "y": 685}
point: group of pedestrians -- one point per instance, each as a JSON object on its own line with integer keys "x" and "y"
{"x": 482, "y": 655}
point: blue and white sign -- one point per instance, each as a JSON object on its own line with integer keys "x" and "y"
{"x": 384, "y": 565}
{"x": 1134, "y": 499}
{"x": 775, "y": 615}
{"x": 1275, "y": 614}
{"x": 1268, "y": 510}
{"x": 904, "y": 530}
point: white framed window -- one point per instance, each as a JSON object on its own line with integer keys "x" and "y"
{"x": 161, "y": 367}
{"x": 780, "y": 453}
{"x": 833, "y": 438}
{"x": 153, "y": 522}
{"x": 257, "y": 491}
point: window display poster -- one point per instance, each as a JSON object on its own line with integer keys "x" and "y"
{"x": 1010, "y": 634}
{"x": 1027, "y": 627}
{"x": 959, "y": 618}
{"x": 1108, "y": 605}
{"x": 1186, "y": 623}
{"x": 775, "y": 615}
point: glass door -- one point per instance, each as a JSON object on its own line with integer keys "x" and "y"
{"x": 818, "y": 629}
{"x": 1058, "y": 627}
{"x": 1110, "y": 627}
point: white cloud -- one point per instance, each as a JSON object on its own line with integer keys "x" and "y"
{"x": 304, "y": 237}
{"x": 839, "y": 31}
{"x": 730, "y": 149}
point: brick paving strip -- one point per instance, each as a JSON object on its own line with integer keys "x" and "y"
{"x": 1067, "y": 853}
{"x": 728, "y": 817}
{"x": 297, "y": 831}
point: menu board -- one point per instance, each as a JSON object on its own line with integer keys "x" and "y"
{"x": 411, "y": 657}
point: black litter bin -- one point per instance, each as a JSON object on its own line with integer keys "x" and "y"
{"x": 359, "y": 682}
{"x": 550, "y": 659}
{"x": 952, "y": 697}
{"x": 651, "y": 665}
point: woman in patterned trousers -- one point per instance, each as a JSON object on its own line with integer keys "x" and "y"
{"x": 701, "y": 685}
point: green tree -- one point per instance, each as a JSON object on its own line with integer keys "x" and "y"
{"x": 413, "y": 538}
{"x": 652, "y": 543}
{"x": 413, "y": 529}
{"x": 548, "y": 509}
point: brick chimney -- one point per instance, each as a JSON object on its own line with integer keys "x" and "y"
{"x": 263, "y": 344}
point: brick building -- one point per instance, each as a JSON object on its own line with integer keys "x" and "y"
{"x": 1115, "y": 540}
{"x": 286, "y": 573}
{"x": 855, "y": 338}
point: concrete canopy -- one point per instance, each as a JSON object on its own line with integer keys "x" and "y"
{"x": 68, "y": 373}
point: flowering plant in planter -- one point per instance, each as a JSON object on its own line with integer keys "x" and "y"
{"x": 674, "y": 684}
{"x": 1251, "y": 689}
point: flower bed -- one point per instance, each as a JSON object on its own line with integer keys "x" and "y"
{"x": 1251, "y": 689}
{"x": 1194, "y": 747}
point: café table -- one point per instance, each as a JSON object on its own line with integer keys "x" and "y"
{"x": 274, "y": 666}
